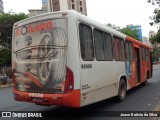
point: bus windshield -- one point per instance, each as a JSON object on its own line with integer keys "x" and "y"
{"x": 39, "y": 56}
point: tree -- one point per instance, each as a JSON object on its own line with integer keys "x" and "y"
{"x": 130, "y": 32}
{"x": 6, "y": 25}
{"x": 155, "y": 21}
{"x": 156, "y": 50}
{"x": 154, "y": 2}
{"x": 156, "y": 14}
{"x": 127, "y": 31}
{"x": 155, "y": 39}
{"x": 113, "y": 26}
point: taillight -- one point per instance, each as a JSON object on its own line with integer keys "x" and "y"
{"x": 69, "y": 82}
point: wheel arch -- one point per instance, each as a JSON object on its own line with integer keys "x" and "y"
{"x": 148, "y": 74}
{"x": 125, "y": 79}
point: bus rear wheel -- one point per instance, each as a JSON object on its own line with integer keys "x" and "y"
{"x": 122, "y": 90}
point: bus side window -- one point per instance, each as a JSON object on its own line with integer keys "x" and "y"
{"x": 103, "y": 46}
{"x": 108, "y": 47}
{"x": 129, "y": 51}
{"x": 119, "y": 49}
{"x": 147, "y": 55}
{"x": 99, "y": 44}
{"x": 144, "y": 56}
{"x": 142, "y": 53}
{"x": 86, "y": 42}
{"x": 116, "y": 50}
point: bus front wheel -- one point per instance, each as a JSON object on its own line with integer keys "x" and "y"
{"x": 122, "y": 90}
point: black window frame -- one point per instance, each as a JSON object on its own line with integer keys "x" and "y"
{"x": 129, "y": 51}
{"x": 119, "y": 48}
{"x": 104, "y": 45}
{"x": 144, "y": 54}
{"x": 80, "y": 39}
{"x": 147, "y": 54}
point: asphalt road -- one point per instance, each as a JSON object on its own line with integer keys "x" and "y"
{"x": 141, "y": 98}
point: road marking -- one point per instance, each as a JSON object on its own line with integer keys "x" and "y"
{"x": 20, "y": 108}
{"x": 156, "y": 98}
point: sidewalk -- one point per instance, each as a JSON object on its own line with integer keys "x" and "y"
{"x": 9, "y": 84}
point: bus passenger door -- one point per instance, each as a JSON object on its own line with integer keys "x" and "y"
{"x": 137, "y": 64}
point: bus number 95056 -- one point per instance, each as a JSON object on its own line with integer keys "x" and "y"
{"x": 86, "y": 66}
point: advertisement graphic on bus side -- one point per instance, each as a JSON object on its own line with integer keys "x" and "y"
{"x": 39, "y": 56}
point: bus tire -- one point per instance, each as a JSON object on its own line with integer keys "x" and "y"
{"x": 122, "y": 90}
{"x": 47, "y": 75}
{"x": 145, "y": 83}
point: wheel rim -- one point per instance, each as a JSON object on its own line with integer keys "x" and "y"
{"x": 123, "y": 91}
{"x": 45, "y": 54}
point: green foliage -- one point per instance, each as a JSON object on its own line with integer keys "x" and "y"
{"x": 156, "y": 53}
{"x": 154, "y": 2}
{"x": 156, "y": 21}
{"x": 130, "y": 32}
{"x": 156, "y": 50}
{"x": 7, "y": 21}
{"x": 156, "y": 14}
{"x": 10, "y": 19}
{"x": 113, "y": 26}
{"x": 5, "y": 57}
{"x": 127, "y": 31}
{"x": 155, "y": 39}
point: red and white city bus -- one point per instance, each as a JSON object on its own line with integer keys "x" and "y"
{"x": 67, "y": 59}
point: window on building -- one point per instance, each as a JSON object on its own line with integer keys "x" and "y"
{"x": 81, "y": 9}
{"x": 80, "y": 3}
{"x": 73, "y": 4}
{"x": 86, "y": 42}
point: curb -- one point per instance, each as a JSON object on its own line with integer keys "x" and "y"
{"x": 5, "y": 86}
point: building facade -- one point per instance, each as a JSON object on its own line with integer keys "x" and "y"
{"x": 152, "y": 34}
{"x": 59, "y": 5}
{"x": 138, "y": 31}
{"x": 44, "y": 4}
{"x": 146, "y": 41}
{"x": 1, "y": 7}
{"x": 34, "y": 12}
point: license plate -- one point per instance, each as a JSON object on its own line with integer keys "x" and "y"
{"x": 39, "y": 100}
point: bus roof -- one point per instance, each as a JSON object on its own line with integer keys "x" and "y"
{"x": 81, "y": 18}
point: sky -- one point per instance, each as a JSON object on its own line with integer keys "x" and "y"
{"x": 117, "y": 12}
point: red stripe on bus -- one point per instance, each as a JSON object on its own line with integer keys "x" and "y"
{"x": 69, "y": 100}
{"x": 33, "y": 79}
{"x": 137, "y": 42}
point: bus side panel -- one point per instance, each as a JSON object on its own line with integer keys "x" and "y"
{"x": 144, "y": 65}
{"x": 73, "y": 57}
{"x": 131, "y": 77}
{"x": 143, "y": 71}
{"x": 94, "y": 80}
